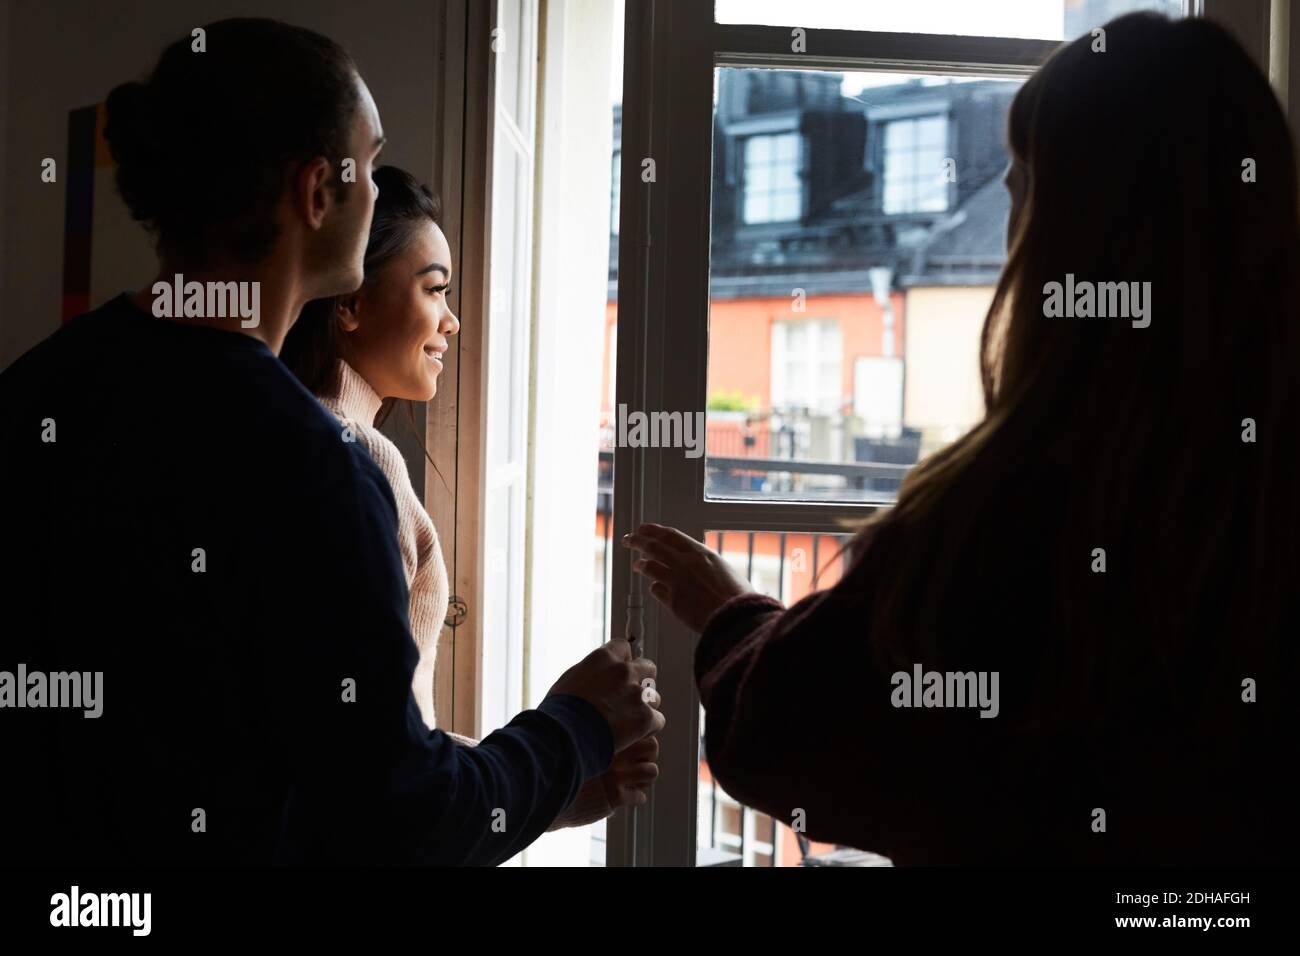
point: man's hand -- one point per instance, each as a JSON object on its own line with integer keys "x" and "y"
{"x": 688, "y": 578}
{"x": 624, "y": 784}
{"x": 610, "y": 681}
{"x": 629, "y": 777}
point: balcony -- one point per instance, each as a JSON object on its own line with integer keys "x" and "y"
{"x": 763, "y": 456}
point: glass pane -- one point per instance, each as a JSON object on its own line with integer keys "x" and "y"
{"x": 898, "y": 136}
{"x": 785, "y": 206}
{"x": 758, "y": 177}
{"x": 934, "y": 131}
{"x": 788, "y": 566}
{"x": 1032, "y": 19}
{"x": 787, "y": 148}
{"x": 844, "y": 336}
{"x": 758, "y": 149}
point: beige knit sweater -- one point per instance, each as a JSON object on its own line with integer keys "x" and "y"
{"x": 356, "y": 405}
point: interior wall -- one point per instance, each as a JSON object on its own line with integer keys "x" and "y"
{"x": 70, "y": 54}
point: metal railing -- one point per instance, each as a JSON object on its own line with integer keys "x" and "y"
{"x": 765, "y": 558}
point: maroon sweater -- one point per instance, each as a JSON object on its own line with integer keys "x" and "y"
{"x": 799, "y": 718}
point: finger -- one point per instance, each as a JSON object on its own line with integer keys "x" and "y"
{"x": 629, "y": 794}
{"x": 620, "y": 648}
{"x": 661, "y": 593}
{"x": 635, "y": 775}
{"x": 619, "y": 797}
{"x": 637, "y": 753}
{"x": 642, "y": 668}
{"x": 654, "y": 570}
{"x": 652, "y": 547}
{"x": 678, "y": 541}
{"x": 657, "y": 720}
{"x": 638, "y": 774}
{"x": 645, "y": 749}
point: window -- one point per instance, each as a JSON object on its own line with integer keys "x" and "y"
{"x": 914, "y": 173}
{"x": 742, "y": 323}
{"x": 773, "y": 191}
{"x": 844, "y": 407}
{"x": 806, "y": 367}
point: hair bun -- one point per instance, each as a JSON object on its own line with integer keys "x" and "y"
{"x": 131, "y": 132}
{"x": 130, "y": 124}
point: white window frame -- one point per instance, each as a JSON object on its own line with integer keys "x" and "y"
{"x": 672, "y": 49}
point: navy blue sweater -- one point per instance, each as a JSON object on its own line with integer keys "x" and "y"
{"x": 224, "y": 688}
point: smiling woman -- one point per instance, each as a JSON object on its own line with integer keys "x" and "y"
{"x": 359, "y": 353}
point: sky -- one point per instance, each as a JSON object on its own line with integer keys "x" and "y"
{"x": 1037, "y": 19}
{"x": 1040, "y": 19}
{"x": 1043, "y": 19}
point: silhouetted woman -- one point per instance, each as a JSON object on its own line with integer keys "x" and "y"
{"x": 1116, "y": 539}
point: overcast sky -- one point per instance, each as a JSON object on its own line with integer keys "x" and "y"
{"x": 1041, "y": 19}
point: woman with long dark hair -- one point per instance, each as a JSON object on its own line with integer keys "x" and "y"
{"x": 1115, "y": 541}
{"x": 361, "y": 353}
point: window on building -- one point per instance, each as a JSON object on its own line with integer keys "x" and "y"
{"x": 806, "y": 369}
{"x": 915, "y": 151}
{"x": 773, "y": 188}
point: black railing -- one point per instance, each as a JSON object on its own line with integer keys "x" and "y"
{"x": 752, "y": 545}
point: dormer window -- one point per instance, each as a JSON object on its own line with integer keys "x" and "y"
{"x": 773, "y": 188}
{"x": 914, "y": 154}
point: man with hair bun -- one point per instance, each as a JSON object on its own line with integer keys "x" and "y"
{"x": 182, "y": 516}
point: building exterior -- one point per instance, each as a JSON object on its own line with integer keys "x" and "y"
{"x": 856, "y": 243}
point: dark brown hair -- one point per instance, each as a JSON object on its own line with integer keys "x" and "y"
{"x": 1097, "y": 434}
{"x": 202, "y": 146}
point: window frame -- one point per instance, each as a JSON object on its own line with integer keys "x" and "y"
{"x": 672, "y": 48}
